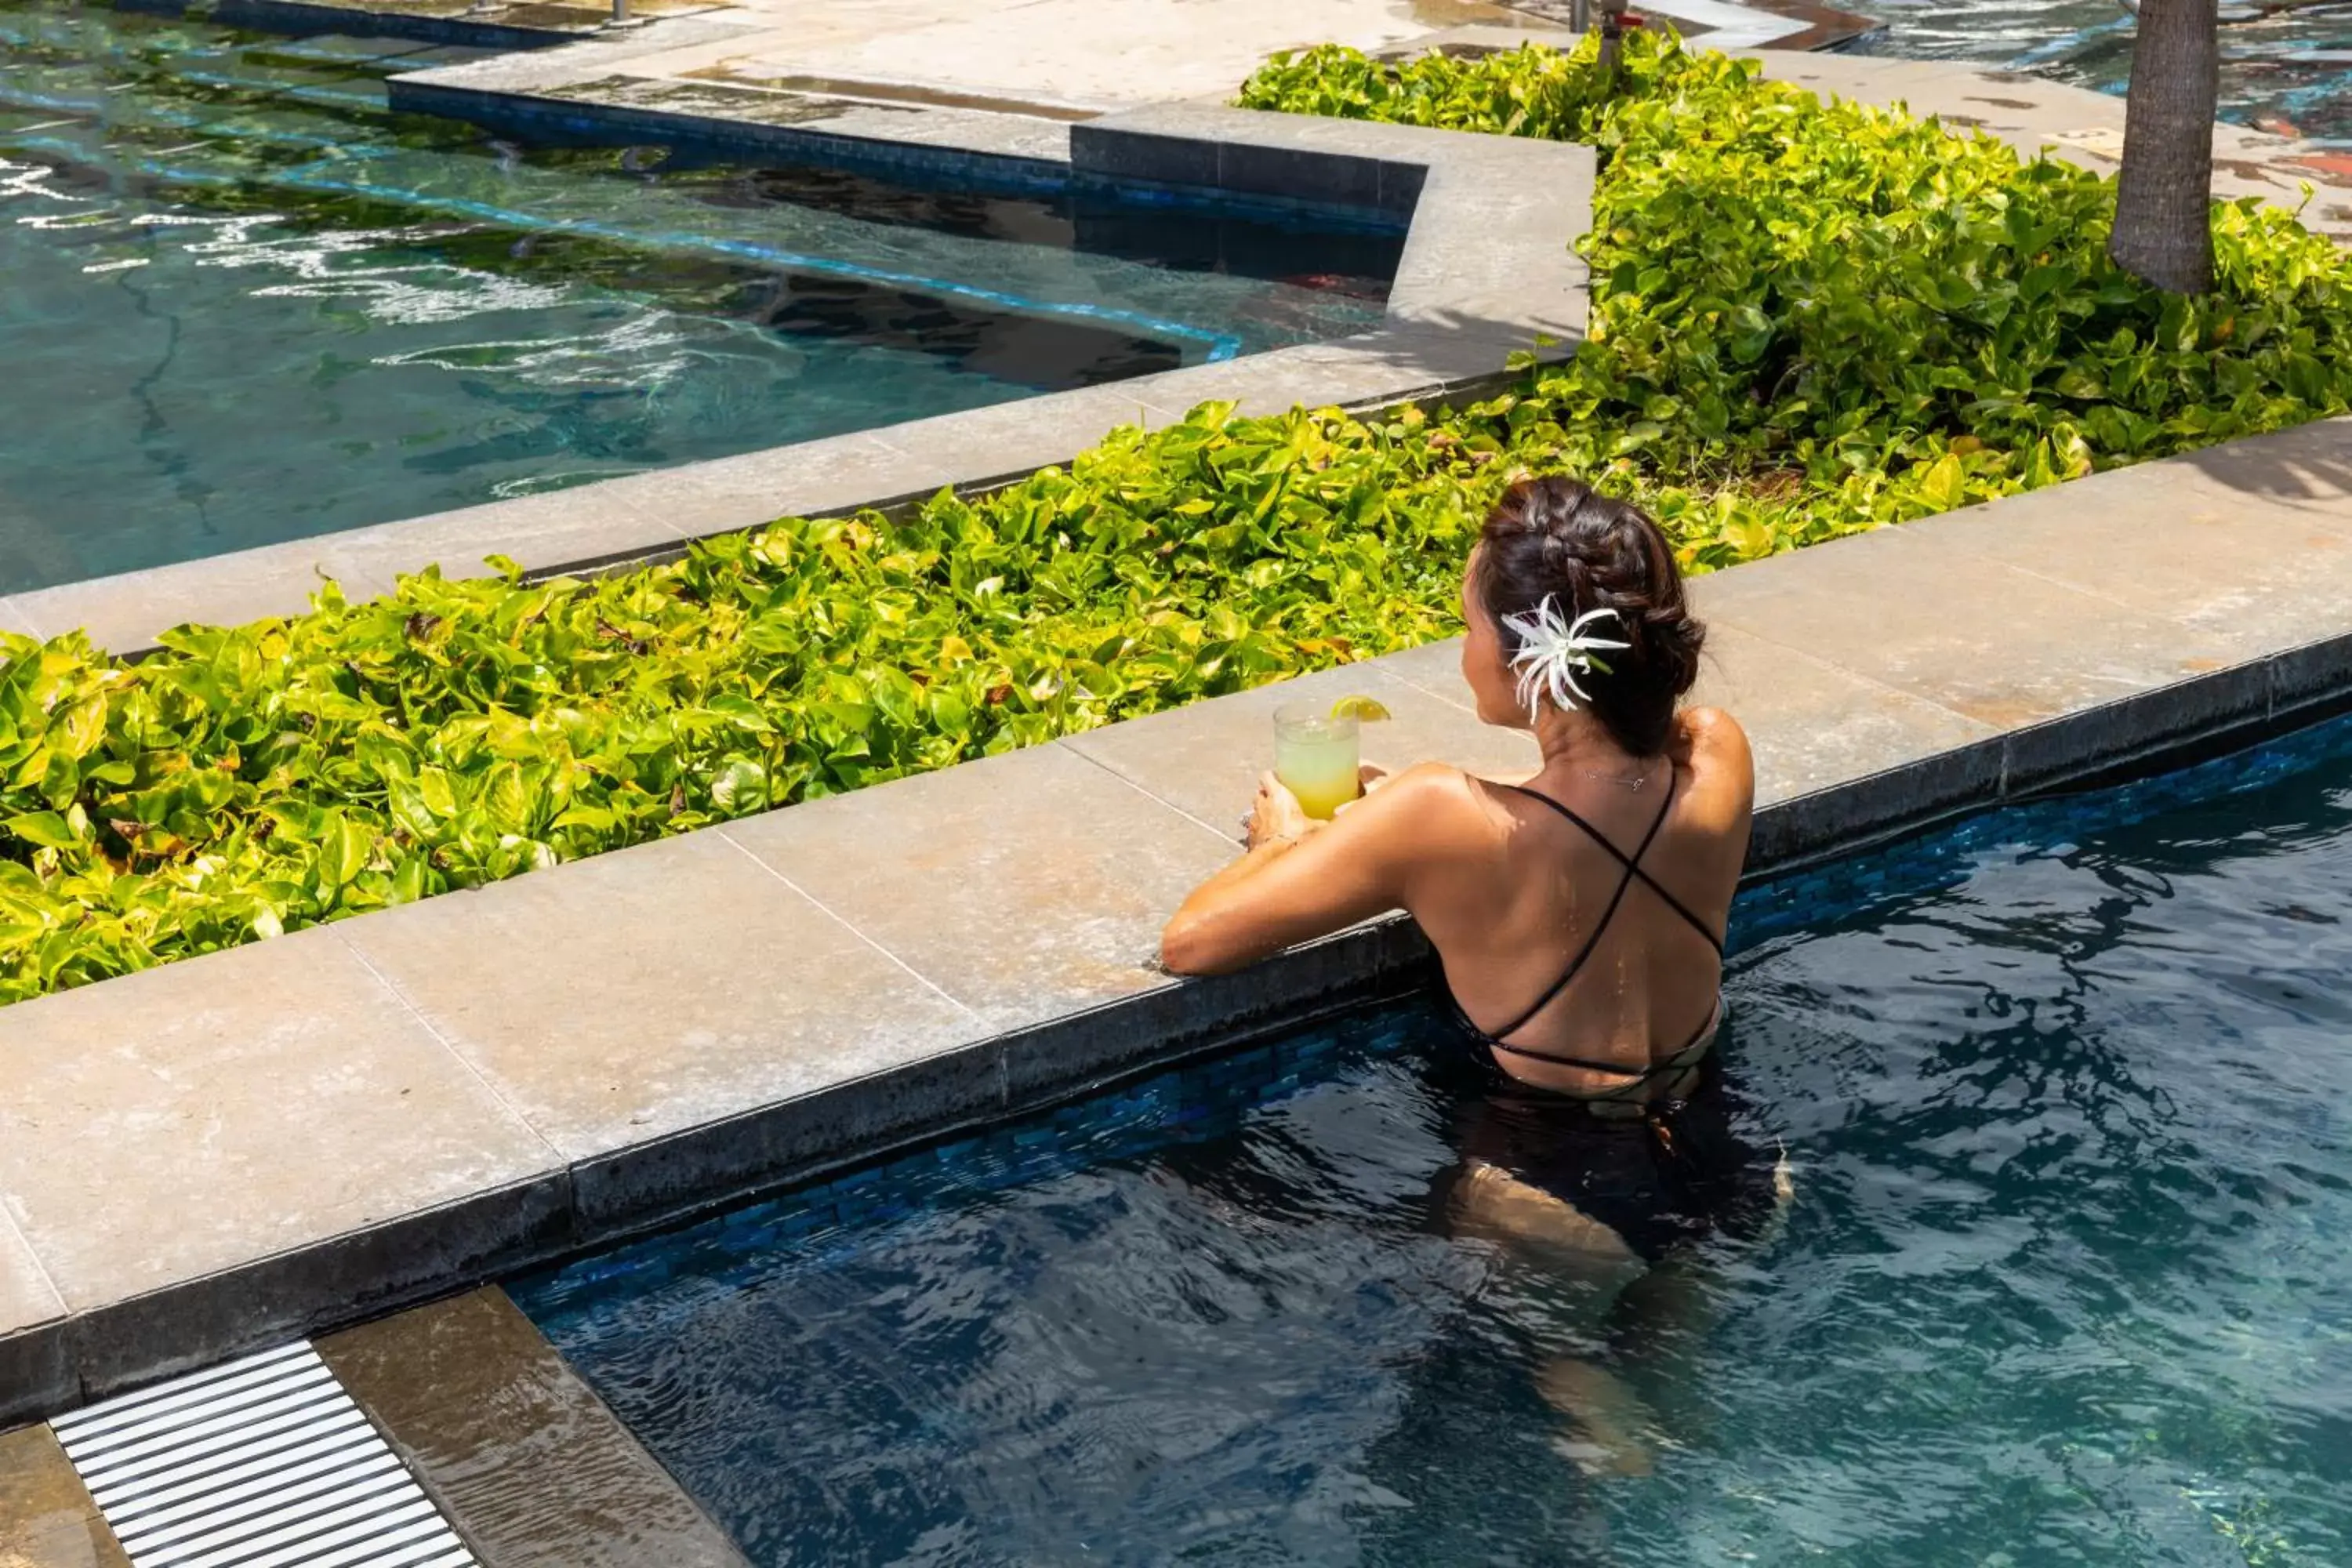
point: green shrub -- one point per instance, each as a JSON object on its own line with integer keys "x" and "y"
{"x": 1894, "y": 318}
{"x": 250, "y": 780}
{"x": 1807, "y": 320}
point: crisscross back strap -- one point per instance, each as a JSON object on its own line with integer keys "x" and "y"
{"x": 1632, "y": 864}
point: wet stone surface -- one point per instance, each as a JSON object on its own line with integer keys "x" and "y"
{"x": 529, "y": 1463}
{"x": 758, "y": 105}
{"x": 48, "y": 1519}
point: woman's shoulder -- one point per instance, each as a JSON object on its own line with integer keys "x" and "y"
{"x": 1710, "y": 746}
{"x": 1426, "y": 787}
{"x": 1427, "y": 799}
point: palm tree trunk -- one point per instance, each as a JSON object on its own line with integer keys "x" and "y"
{"x": 2164, "y": 201}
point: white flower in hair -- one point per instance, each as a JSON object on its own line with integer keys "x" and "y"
{"x": 1553, "y": 652}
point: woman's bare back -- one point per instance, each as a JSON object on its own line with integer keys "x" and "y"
{"x": 1511, "y": 915}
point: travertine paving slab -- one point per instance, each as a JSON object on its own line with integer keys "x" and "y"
{"x": 1318, "y": 375}
{"x": 124, "y": 612}
{"x": 1005, "y": 439}
{"x": 1435, "y": 668}
{"x": 1100, "y": 52}
{"x": 190, "y": 1119}
{"x": 838, "y": 473}
{"x": 27, "y": 1296}
{"x": 1204, "y": 759}
{"x": 2001, "y": 645}
{"x": 625, "y": 996}
{"x": 2256, "y": 549}
{"x": 1813, "y": 725}
{"x": 533, "y": 1467}
{"x": 1026, "y": 885}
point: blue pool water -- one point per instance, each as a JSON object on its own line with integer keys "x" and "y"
{"x": 247, "y": 304}
{"x": 2066, "y": 1279}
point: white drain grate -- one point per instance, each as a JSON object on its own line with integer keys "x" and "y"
{"x": 263, "y": 1463}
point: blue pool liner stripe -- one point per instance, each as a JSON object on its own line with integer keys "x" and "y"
{"x": 1221, "y": 345}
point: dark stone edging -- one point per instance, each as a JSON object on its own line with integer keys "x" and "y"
{"x": 2239, "y": 705}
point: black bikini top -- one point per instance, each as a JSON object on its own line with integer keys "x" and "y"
{"x": 1695, "y": 1048}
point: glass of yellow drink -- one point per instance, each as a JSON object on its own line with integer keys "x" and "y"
{"x": 1315, "y": 756}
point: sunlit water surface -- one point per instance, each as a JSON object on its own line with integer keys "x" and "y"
{"x": 245, "y": 304}
{"x": 2066, "y": 1279}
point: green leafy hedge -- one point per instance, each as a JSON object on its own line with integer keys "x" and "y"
{"x": 1894, "y": 318}
{"x": 1808, "y": 319}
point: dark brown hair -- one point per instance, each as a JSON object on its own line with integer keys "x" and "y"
{"x": 1558, "y": 538}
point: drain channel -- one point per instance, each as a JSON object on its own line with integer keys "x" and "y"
{"x": 263, "y": 1463}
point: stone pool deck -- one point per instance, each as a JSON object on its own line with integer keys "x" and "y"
{"x": 1055, "y": 59}
{"x": 221, "y": 1153}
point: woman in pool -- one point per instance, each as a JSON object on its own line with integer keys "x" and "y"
{"x": 1578, "y": 916}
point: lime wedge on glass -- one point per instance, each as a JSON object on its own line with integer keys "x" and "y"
{"x": 1363, "y": 709}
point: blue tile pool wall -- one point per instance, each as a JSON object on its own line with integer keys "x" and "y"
{"x": 558, "y": 122}
{"x": 1207, "y": 1097}
{"x": 1915, "y": 868}
{"x": 1202, "y": 1099}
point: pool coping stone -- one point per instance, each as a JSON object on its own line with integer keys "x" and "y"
{"x": 1024, "y": 891}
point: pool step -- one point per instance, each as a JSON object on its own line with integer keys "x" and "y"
{"x": 265, "y": 1462}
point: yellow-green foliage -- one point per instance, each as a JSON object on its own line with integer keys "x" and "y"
{"x": 1808, "y": 321}
{"x": 1887, "y": 318}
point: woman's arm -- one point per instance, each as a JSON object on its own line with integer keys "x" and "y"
{"x": 1305, "y": 879}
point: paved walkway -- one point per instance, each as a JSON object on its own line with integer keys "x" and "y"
{"x": 214, "y": 1154}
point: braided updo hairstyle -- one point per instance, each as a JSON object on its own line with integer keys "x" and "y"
{"x": 1558, "y": 538}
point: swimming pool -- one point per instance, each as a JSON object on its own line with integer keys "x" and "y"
{"x": 2067, "y": 1277}
{"x": 247, "y": 304}
{"x": 2284, "y": 67}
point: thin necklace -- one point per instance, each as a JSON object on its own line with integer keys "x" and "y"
{"x": 1634, "y": 782}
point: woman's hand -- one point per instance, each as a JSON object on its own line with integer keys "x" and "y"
{"x": 1338, "y": 872}
{"x": 1275, "y": 813}
{"x": 1369, "y": 776}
